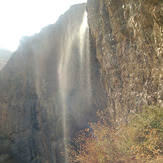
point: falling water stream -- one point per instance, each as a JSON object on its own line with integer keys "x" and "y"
{"x": 74, "y": 73}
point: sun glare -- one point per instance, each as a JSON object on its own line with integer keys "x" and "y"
{"x": 26, "y": 17}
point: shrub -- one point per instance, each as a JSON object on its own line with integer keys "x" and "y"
{"x": 139, "y": 141}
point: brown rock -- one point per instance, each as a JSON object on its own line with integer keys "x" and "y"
{"x": 129, "y": 46}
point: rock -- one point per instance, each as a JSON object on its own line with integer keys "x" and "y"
{"x": 127, "y": 37}
{"x": 3, "y": 157}
{"x": 50, "y": 89}
{"x": 5, "y": 151}
{"x": 55, "y": 82}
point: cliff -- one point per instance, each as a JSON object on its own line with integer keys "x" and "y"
{"x": 128, "y": 42}
{"x": 50, "y": 89}
{"x": 54, "y": 83}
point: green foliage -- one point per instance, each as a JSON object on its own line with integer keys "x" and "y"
{"x": 139, "y": 141}
{"x": 155, "y": 2}
{"x": 147, "y": 133}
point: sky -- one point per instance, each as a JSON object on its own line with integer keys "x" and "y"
{"x": 20, "y": 18}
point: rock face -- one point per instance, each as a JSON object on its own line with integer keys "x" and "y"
{"x": 50, "y": 88}
{"x": 128, "y": 41}
{"x": 54, "y": 83}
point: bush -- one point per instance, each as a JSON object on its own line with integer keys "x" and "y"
{"x": 139, "y": 141}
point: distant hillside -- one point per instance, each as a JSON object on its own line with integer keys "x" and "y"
{"x": 4, "y": 56}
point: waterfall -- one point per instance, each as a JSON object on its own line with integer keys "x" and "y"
{"x": 50, "y": 91}
{"x": 74, "y": 73}
{"x": 85, "y": 57}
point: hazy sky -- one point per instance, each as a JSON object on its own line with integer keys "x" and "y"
{"x": 25, "y": 17}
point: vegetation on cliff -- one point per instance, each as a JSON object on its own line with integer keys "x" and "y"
{"x": 141, "y": 140}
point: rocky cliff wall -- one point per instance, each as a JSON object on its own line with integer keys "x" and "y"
{"x": 126, "y": 72}
{"x": 49, "y": 89}
{"x": 128, "y": 41}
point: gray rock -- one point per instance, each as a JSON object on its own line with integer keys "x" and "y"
{"x": 50, "y": 89}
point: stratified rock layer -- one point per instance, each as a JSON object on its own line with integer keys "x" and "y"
{"x": 128, "y": 42}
